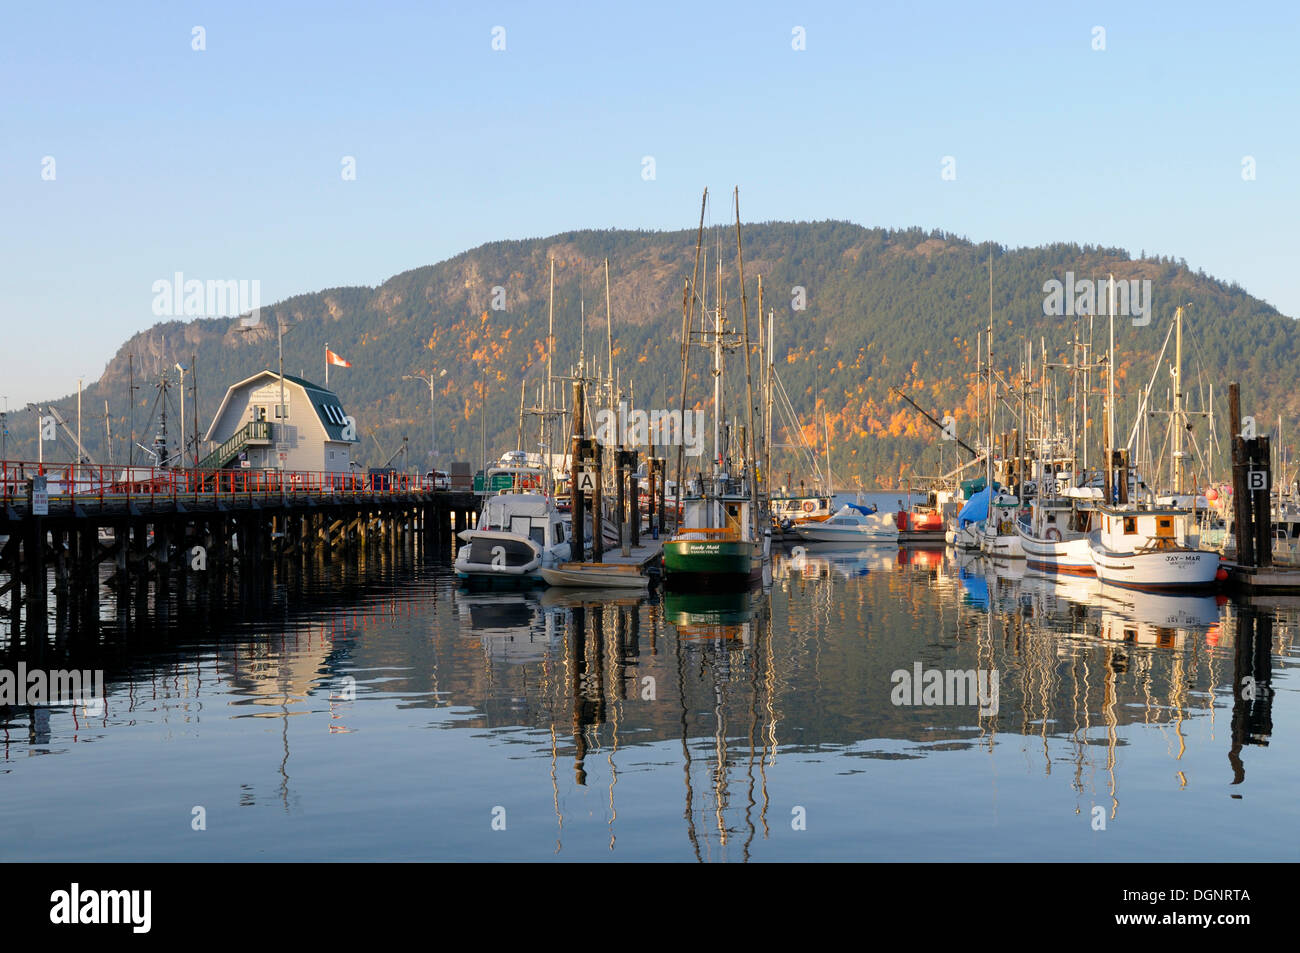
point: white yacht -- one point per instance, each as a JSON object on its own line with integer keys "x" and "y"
{"x": 516, "y": 535}
{"x": 850, "y": 524}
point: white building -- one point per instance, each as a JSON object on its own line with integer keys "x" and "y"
{"x": 312, "y": 433}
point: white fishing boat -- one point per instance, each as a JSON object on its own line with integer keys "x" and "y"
{"x": 516, "y": 535}
{"x": 1055, "y": 539}
{"x": 1150, "y": 549}
{"x": 850, "y": 524}
{"x": 999, "y": 536}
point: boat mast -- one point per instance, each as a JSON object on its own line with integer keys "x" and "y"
{"x": 1110, "y": 400}
{"x": 1178, "y": 401}
{"x": 749, "y": 383}
{"x": 547, "y": 428}
{"x": 988, "y": 465}
{"x": 717, "y": 364}
{"x": 688, "y": 318}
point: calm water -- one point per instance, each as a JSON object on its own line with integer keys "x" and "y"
{"x": 381, "y": 713}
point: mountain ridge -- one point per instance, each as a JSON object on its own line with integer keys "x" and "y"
{"x": 882, "y": 307}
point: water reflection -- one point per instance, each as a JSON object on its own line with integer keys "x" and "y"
{"x": 689, "y": 725}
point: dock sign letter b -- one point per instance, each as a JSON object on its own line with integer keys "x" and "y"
{"x": 1256, "y": 480}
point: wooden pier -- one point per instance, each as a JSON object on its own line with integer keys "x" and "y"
{"x": 161, "y": 527}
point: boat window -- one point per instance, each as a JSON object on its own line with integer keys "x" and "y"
{"x": 1130, "y": 525}
{"x": 559, "y": 532}
{"x": 538, "y": 535}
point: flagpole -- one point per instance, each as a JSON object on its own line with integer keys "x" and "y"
{"x": 327, "y": 365}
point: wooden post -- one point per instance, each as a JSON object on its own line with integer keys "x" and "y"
{"x": 597, "y": 526}
{"x": 652, "y": 468}
{"x": 620, "y": 493}
{"x": 663, "y": 496}
{"x": 576, "y": 531}
{"x": 1240, "y": 498}
{"x": 1261, "y": 512}
{"x": 629, "y": 471}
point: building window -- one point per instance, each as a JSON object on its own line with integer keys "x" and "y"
{"x": 281, "y": 411}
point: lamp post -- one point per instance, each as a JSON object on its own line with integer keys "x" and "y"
{"x": 429, "y": 379}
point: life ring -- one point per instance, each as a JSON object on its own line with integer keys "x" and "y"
{"x": 1054, "y": 534}
{"x": 809, "y": 506}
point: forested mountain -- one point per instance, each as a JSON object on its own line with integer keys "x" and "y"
{"x": 881, "y": 308}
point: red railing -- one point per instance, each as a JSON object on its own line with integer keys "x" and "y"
{"x": 85, "y": 483}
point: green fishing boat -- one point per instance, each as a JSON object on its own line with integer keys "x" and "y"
{"x": 725, "y": 536}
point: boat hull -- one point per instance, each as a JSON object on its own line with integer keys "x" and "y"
{"x": 702, "y": 562}
{"x": 823, "y": 533}
{"x": 1066, "y": 557}
{"x": 594, "y": 576}
{"x": 1166, "y": 570}
{"x": 501, "y": 559}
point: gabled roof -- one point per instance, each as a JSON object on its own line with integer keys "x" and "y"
{"x": 326, "y": 404}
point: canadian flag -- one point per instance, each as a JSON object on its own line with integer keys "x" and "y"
{"x": 332, "y": 358}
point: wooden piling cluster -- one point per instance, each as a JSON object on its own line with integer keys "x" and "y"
{"x": 1252, "y": 513}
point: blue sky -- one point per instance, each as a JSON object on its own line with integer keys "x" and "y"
{"x": 226, "y": 163}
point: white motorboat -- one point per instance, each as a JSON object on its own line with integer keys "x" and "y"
{"x": 1150, "y": 549}
{"x": 516, "y": 535}
{"x": 851, "y": 524}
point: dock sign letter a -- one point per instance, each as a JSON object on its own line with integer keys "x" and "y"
{"x": 586, "y": 481}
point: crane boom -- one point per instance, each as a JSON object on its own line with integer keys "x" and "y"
{"x": 920, "y": 410}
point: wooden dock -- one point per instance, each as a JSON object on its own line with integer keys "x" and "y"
{"x": 1263, "y": 578}
{"x": 163, "y": 528}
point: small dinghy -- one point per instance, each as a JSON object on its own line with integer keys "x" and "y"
{"x": 596, "y": 576}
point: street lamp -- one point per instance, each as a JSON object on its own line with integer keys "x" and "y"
{"x": 429, "y": 379}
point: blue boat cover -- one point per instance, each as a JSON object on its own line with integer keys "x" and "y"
{"x": 864, "y": 510}
{"x": 976, "y": 508}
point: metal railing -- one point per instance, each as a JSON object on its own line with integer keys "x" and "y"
{"x": 84, "y": 484}
{"x": 254, "y": 430}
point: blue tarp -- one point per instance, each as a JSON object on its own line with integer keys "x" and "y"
{"x": 976, "y": 508}
{"x": 864, "y": 510}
